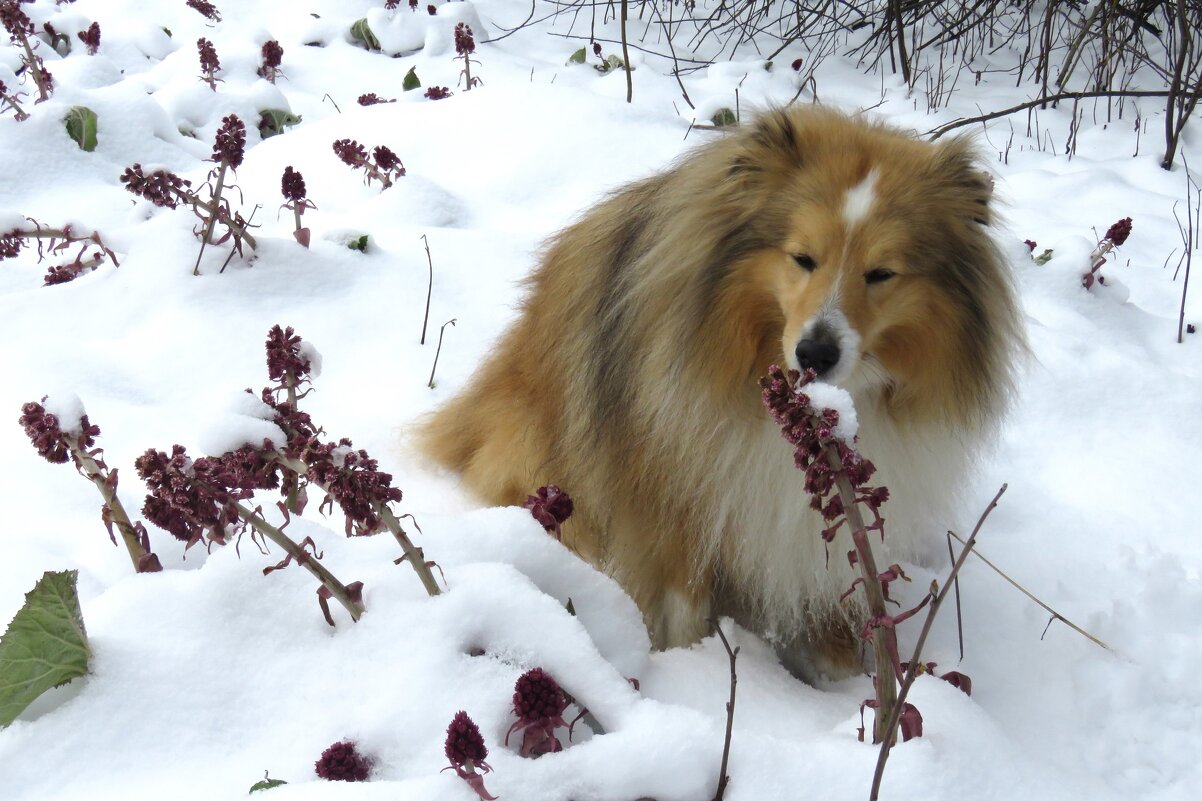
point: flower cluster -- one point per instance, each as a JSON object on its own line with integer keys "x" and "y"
{"x": 14, "y": 20}
{"x": 292, "y": 186}
{"x": 162, "y": 188}
{"x": 437, "y": 93}
{"x": 539, "y": 704}
{"x": 466, "y": 752}
{"x": 1115, "y": 236}
{"x": 384, "y": 166}
{"x": 11, "y": 244}
{"x": 273, "y": 55}
{"x": 465, "y": 42}
{"x": 207, "y": 9}
{"x": 372, "y": 99}
{"x": 179, "y": 503}
{"x": 42, "y": 429}
{"x": 286, "y": 363}
{"x": 342, "y": 762}
{"x": 209, "y": 64}
{"x": 91, "y": 38}
{"x": 229, "y": 146}
{"x": 353, "y": 479}
{"x": 811, "y": 432}
{"x": 20, "y": 28}
{"x": 550, "y": 506}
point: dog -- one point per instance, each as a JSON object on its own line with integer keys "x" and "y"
{"x": 810, "y": 239}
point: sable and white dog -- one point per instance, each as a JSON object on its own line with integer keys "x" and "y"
{"x": 630, "y": 380}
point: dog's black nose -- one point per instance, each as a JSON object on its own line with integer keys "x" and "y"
{"x": 819, "y": 353}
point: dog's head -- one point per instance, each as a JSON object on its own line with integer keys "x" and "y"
{"x": 886, "y": 276}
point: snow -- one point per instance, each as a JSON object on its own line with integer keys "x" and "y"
{"x": 828, "y": 396}
{"x": 209, "y": 673}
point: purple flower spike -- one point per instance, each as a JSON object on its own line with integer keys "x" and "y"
{"x": 466, "y": 751}
{"x": 230, "y": 145}
{"x": 539, "y": 704}
{"x": 1119, "y": 232}
{"x": 285, "y": 361}
{"x": 387, "y": 160}
{"x": 341, "y": 762}
{"x": 10, "y": 244}
{"x": 437, "y": 93}
{"x": 43, "y": 431}
{"x": 207, "y": 9}
{"x": 351, "y": 152}
{"x": 272, "y": 53}
{"x": 292, "y": 185}
{"x": 162, "y": 188}
{"x": 91, "y": 38}
{"x": 551, "y": 507}
{"x": 465, "y": 43}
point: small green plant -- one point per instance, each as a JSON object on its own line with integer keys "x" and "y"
{"x": 81, "y": 126}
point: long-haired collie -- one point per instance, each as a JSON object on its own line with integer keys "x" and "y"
{"x": 630, "y": 380}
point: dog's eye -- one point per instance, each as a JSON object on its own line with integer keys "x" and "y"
{"x": 878, "y": 275}
{"x": 805, "y": 262}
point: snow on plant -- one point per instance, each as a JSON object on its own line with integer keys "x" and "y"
{"x": 836, "y": 478}
{"x": 168, "y": 190}
{"x": 550, "y": 506}
{"x": 342, "y": 762}
{"x": 209, "y": 63}
{"x": 383, "y": 166}
{"x": 465, "y": 46}
{"x": 56, "y": 241}
{"x": 273, "y": 55}
{"x": 292, "y": 186}
{"x": 20, "y": 28}
{"x": 539, "y": 704}
{"x": 206, "y": 500}
{"x": 466, "y": 751}
{"x": 206, "y": 9}
{"x": 1115, "y": 236}
{"x": 75, "y": 443}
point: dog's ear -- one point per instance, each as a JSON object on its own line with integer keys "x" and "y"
{"x": 769, "y": 145}
{"x": 957, "y": 167}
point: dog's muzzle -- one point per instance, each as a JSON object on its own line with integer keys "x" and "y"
{"x": 819, "y": 351}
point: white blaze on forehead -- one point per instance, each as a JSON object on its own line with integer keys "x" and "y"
{"x": 859, "y": 199}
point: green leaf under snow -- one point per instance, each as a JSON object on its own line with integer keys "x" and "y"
{"x": 1045, "y": 257}
{"x": 45, "y": 645}
{"x": 724, "y": 117}
{"x": 577, "y": 57}
{"x": 361, "y": 32}
{"x": 411, "y": 80}
{"x": 267, "y": 784}
{"x": 273, "y": 121}
{"x": 81, "y": 126}
{"x": 359, "y": 243}
{"x": 570, "y": 607}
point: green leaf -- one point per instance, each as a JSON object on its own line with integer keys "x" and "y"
{"x": 1045, "y": 257}
{"x": 570, "y": 607}
{"x": 358, "y": 243}
{"x": 81, "y": 126}
{"x": 267, "y": 783}
{"x": 273, "y": 121}
{"x": 577, "y": 57}
{"x": 45, "y": 645}
{"x": 361, "y": 32}
{"x": 411, "y": 80}
{"x": 168, "y": 32}
{"x": 724, "y": 117}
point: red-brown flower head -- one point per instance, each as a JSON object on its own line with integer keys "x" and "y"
{"x": 230, "y": 145}
{"x": 342, "y": 762}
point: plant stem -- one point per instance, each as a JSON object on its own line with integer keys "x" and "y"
{"x": 723, "y": 779}
{"x": 912, "y": 670}
{"x": 100, "y": 477}
{"x": 437, "y": 351}
{"x": 216, "y": 204}
{"x": 626, "y": 54}
{"x": 429, "y": 288}
{"x": 302, "y": 557}
{"x": 35, "y": 68}
{"x": 886, "y": 673}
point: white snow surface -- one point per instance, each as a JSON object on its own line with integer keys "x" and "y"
{"x": 828, "y": 396}
{"x": 210, "y": 673}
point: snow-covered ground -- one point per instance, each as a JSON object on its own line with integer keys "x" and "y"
{"x": 208, "y": 674}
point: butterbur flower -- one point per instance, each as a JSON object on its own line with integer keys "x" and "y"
{"x": 1031, "y": 245}
{"x": 465, "y": 43}
{"x": 229, "y": 147}
{"x": 437, "y": 93}
{"x": 597, "y": 49}
{"x": 372, "y": 99}
{"x": 42, "y": 429}
{"x": 796, "y": 65}
{"x": 539, "y": 704}
{"x": 273, "y": 55}
{"x": 342, "y": 762}
{"x": 15, "y": 21}
{"x": 207, "y": 9}
{"x": 551, "y": 507}
{"x": 387, "y": 160}
{"x": 1119, "y": 232}
{"x": 466, "y": 752}
{"x": 162, "y": 188}
{"x": 286, "y": 362}
{"x": 431, "y": 10}
{"x": 292, "y": 186}
{"x": 351, "y": 152}
{"x": 10, "y": 244}
{"x": 91, "y": 38}
{"x": 209, "y": 64}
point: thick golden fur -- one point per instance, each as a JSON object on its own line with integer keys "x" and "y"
{"x": 630, "y": 378}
